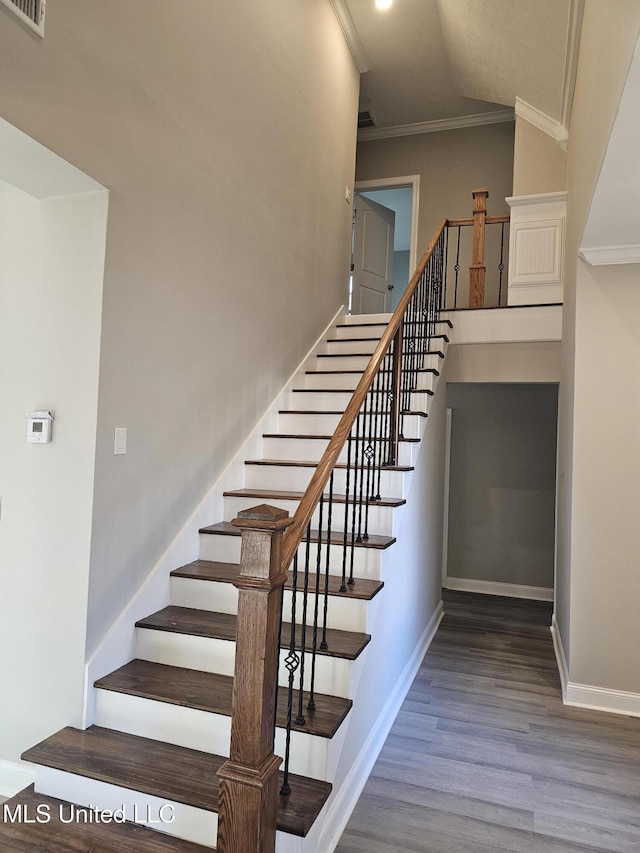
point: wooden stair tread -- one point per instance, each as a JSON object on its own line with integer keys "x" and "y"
{"x": 360, "y": 372}
{"x": 317, "y": 412}
{"x": 442, "y": 337}
{"x": 439, "y": 353}
{"x": 79, "y": 837}
{"x": 275, "y": 495}
{"x": 304, "y": 463}
{"x": 164, "y": 770}
{"x": 328, "y": 437}
{"x": 211, "y": 692}
{"x": 211, "y": 570}
{"x": 364, "y": 325}
{"x": 222, "y": 626}
{"x": 225, "y": 528}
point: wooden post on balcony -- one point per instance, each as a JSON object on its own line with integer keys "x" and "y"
{"x": 477, "y": 270}
{"x": 248, "y": 800}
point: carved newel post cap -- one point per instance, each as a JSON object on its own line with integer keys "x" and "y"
{"x": 264, "y": 516}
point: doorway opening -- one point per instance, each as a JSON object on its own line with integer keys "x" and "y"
{"x": 384, "y": 243}
{"x": 500, "y": 489}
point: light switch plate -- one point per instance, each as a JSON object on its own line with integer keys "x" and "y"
{"x": 120, "y": 441}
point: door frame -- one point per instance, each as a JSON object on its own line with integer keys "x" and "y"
{"x": 412, "y": 181}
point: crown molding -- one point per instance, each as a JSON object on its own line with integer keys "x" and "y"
{"x": 497, "y": 117}
{"x": 351, "y": 35}
{"x": 601, "y": 255}
{"x": 576, "y": 13}
{"x": 543, "y": 122}
{"x": 538, "y": 198}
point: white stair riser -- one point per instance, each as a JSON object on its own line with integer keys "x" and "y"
{"x": 360, "y": 319}
{"x": 201, "y": 730}
{"x": 347, "y": 614}
{"x": 294, "y": 424}
{"x": 359, "y": 331}
{"x": 359, "y": 346}
{"x": 366, "y": 345}
{"x": 349, "y": 381}
{"x": 337, "y": 401}
{"x": 212, "y": 655}
{"x": 187, "y": 822}
{"x": 226, "y": 549}
{"x": 393, "y": 484}
{"x": 380, "y": 518}
{"x": 355, "y": 362}
{"x": 311, "y": 449}
{"x": 354, "y": 330}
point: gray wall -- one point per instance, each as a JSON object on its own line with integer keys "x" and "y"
{"x": 451, "y": 164}
{"x": 225, "y": 133}
{"x": 502, "y": 482}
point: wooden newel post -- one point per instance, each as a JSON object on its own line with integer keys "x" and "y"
{"x": 248, "y": 799}
{"x": 477, "y": 270}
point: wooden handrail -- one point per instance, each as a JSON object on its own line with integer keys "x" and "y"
{"x": 490, "y": 220}
{"x": 318, "y": 481}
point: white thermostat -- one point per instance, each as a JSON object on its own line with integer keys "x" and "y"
{"x": 39, "y": 427}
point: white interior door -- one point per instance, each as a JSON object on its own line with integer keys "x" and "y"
{"x": 372, "y": 257}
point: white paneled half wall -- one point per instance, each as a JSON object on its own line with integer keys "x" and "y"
{"x": 536, "y": 248}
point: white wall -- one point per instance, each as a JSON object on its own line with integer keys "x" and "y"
{"x": 407, "y": 612}
{"x": 509, "y": 362}
{"x": 606, "y": 49}
{"x": 226, "y": 134}
{"x": 51, "y": 266}
{"x": 605, "y": 582}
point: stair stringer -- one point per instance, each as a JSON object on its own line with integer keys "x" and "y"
{"x": 118, "y": 646}
{"x": 401, "y": 634}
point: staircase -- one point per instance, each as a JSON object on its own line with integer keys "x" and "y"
{"x": 163, "y": 719}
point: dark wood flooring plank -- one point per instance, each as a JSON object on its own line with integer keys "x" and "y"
{"x": 485, "y": 757}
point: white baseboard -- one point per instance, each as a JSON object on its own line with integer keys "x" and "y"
{"x": 587, "y": 695}
{"x": 560, "y": 656}
{"x": 509, "y": 590}
{"x": 347, "y": 796}
{"x": 118, "y": 646}
{"x": 602, "y": 699}
{"x": 15, "y": 776}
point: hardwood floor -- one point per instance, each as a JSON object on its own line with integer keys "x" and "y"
{"x": 484, "y": 757}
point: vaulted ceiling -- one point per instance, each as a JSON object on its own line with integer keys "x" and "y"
{"x": 431, "y": 60}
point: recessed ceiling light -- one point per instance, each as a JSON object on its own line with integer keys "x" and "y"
{"x": 383, "y": 4}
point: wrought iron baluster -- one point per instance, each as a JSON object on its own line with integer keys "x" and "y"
{"x": 343, "y": 585}
{"x": 324, "y": 645}
{"x": 365, "y": 443}
{"x": 445, "y": 266}
{"x": 311, "y": 704}
{"x": 300, "y": 719}
{"x": 291, "y": 662}
{"x": 457, "y": 270}
{"x": 370, "y": 453}
{"x": 358, "y": 444}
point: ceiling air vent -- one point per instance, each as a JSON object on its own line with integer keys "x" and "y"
{"x": 30, "y": 12}
{"x": 365, "y": 119}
